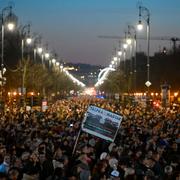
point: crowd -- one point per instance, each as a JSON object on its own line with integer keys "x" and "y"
{"x": 38, "y": 145}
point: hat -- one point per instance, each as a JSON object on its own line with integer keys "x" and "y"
{"x": 115, "y": 173}
{"x": 103, "y": 155}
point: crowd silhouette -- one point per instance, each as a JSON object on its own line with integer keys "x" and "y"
{"x": 37, "y": 145}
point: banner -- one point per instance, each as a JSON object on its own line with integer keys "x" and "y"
{"x": 101, "y": 123}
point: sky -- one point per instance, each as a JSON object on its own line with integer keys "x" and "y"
{"x": 71, "y": 27}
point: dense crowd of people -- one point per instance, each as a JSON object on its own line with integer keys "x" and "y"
{"x": 37, "y": 145}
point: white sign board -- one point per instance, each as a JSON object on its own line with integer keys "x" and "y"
{"x": 101, "y": 123}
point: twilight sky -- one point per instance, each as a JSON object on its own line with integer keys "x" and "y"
{"x": 71, "y": 27}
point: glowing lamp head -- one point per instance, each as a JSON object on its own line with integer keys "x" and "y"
{"x": 125, "y": 46}
{"x": 140, "y": 26}
{"x": 128, "y": 41}
{"x": 119, "y": 53}
{"x": 28, "y": 40}
{"x": 57, "y": 63}
{"x": 53, "y": 61}
{"x": 10, "y": 26}
{"x": 46, "y": 55}
{"x": 39, "y": 50}
{"x": 115, "y": 58}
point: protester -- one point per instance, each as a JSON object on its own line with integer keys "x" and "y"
{"x": 36, "y": 145}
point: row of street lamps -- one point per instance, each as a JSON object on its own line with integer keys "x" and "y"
{"x": 130, "y": 41}
{"x": 9, "y": 22}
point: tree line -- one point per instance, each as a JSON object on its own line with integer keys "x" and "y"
{"x": 35, "y": 76}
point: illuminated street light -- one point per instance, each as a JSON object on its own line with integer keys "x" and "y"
{"x": 10, "y": 26}
{"x": 53, "y": 61}
{"x": 57, "y": 64}
{"x": 112, "y": 62}
{"x": 115, "y": 58}
{"x": 40, "y": 50}
{"x": 128, "y": 41}
{"x": 37, "y": 42}
{"x": 119, "y": 53}
{"x": 125, "y": 46}
{"x": 25, "y": 37}
{"x": 47, "y": 55}
{"x": 140, "y": 26}
{"x": 9, "y": 21}
{"x": 144, "y": 12}
{"x": 28, "y": 40}
{"x": 61, "y": 66}
{"x": 134, "y": 53}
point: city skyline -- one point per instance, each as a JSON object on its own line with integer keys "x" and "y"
{"x": 71, "y": 28}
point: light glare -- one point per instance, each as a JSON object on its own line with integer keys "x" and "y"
{"x": 28, "y": 40}
{"x": 47, "y": 55}
{"x": 10, "y": 26}
{"x": 140, "y": 26}
{"x": 125, "y": 46}
{"x": 40, "y": 50}
{"x": 128, "y": 41}
{"x": 119, "y": 53}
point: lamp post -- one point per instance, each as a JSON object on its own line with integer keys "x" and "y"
{"x": 125, "y": 46}
{"x": 132, "y": 28}
{"x": 41, "y": 54}
{"x": 47, "y": 55}
{"x": 37, "y": 42}
{"x": 25, "y": 38}
{"x": 145, "y": 13}
{"x": 10, "y": 26}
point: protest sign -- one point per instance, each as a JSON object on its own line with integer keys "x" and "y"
{"x": 101, "y": 123}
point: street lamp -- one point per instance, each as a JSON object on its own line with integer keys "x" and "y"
{"x": 61, "y": 67}
{"x": 53, "y": 61}
{"x": 25, "y": 37}
{"x": 115, "y": 58}
{"x": 140, "y": 26}
{"x": 128, "y": 41}
{"x": 28, "y": 40}
{"x": 125, "y": 46}
{"x": 145, "y": 13}
{"x": 37, "y": 42}
{"x": 47, "y": 55}
{"x": 9, "y": 21}
{"x": 132, "y": 28}
{"x": 119, "y": 53}
{"x": 57, "y": 64}
{"x": 40, "y": 50}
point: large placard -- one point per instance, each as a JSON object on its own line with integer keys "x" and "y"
{"x": 101, "y": 123}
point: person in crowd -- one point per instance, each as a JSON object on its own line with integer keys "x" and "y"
{"x": 39, "y": 145}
